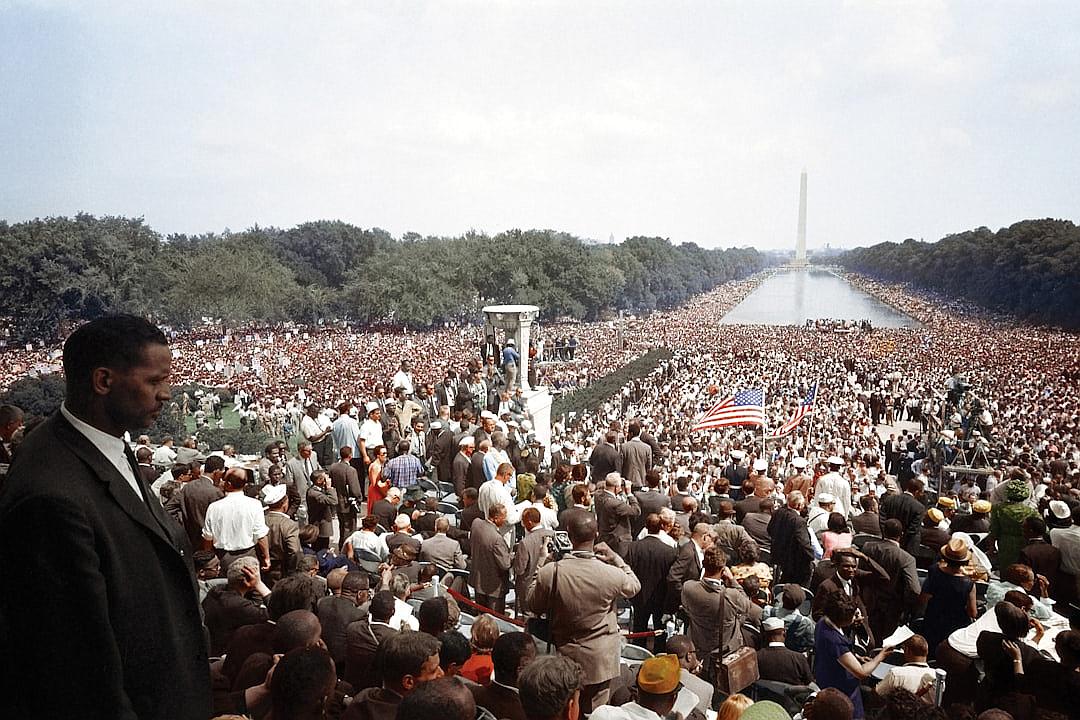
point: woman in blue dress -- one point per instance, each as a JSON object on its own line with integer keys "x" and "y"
{"x": 835, "y": 664}
{"x": 948, "y": 595}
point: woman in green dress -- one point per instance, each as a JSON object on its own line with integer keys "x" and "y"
{"x": 1007, "y": 519}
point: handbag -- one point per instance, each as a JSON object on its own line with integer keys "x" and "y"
{"x": 540, "y": 627}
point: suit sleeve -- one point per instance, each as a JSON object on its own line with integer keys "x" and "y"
{"x": 174, "y": 508}
{"x": 293, "y": 550}
{"x": 630, "y": 508}
{"x": 502, "y": 556}
{"x": 675, "y": 578}
{"x": 911, "y": 585}
{"x": 57, "y": 677}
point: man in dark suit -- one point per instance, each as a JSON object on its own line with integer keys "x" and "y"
{"x": 778, "y": 663}
{"x": 387, "y": 508}
{"x": 362, "y": 640}
{"x": 636, "y": 456}
{"x": 511, "y": 654}
{"x": 527, "y": 555}
{"x": 336, "y": 612}
{"x": 605, "y": 458}
{"x": 888, "y": 602}
{"x": 322, "y": 502}
{"x": 848, "y": 580}
{"x": 651, "y": 559}
{"x": 867, "y": 522}
{"x": 582, "y": 498}
{"x": 346, "y": 483}
{"x": 906, "y": 507}
{"x": 191, "y": 500}
{"x": 614, "y": 508}
{"x": 791, "y": 549}
{"x": 687, "y": 565}
{"x": 460, "y": 465}
{"x": 470, "y": 510}
{"x": 101, "y": 538}
{"x": 147, "y": 472}
{"x": 476, "y": 464}
{"x": 650, "y": 499}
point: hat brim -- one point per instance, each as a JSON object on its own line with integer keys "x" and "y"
{"x": 955, "y": 558}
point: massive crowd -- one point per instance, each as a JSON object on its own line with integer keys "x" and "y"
{"x": 911, "y": 549}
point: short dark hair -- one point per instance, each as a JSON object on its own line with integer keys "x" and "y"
{"x": 382, "y": 606}
{"x": 355, "y": 582}
{"x": 433, "y": 614}
{"x": 404, "y": 654}
{"x": 113, "y": 341}
{"x": 1012, "y": 620}
{"x": 547, "y": 685}
{"x": 294, "y": 592}
{"x": 295, "y": 629}
{"x": 507, "y": 654}
{"x": 453, "y": 649}
{"x": 446, "y": 698}
{"x": 214, "y": 463}
{"x": 839, "y": 608}
{"x": 892, "y": 529}
{"x": 302, "y": 680}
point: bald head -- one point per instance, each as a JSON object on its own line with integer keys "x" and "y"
{"x": 582, "y": 530}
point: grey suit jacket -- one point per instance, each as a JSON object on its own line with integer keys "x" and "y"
{"x": 297, "y": 476}
{"x": 613, "y": 519}
{"x": 442, "y": 550}
{"x": 636, "y": 459}
{"x": 490, "y": 573}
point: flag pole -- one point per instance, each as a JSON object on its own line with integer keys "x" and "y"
{"x": 764, "y": 423}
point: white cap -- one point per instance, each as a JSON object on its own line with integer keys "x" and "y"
{"x": 436, "y": 425}
{"x": 798, "y": 462}
{"x": 273, "y": 494}
{"x": 466, "y": 440}
{"x": 825, "y": 499}
{"x": 510, "y": 341}
{"x": 836, "y": 460}
{"x": 737, "y": 454}
{"x": 1060, "y": 509}
{"x": 371, "y": 406}
{"x": 772, "y": 623}
{"x": 488, "y": 415}
{"x": 761, "y": 465}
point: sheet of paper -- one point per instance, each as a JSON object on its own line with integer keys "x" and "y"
{"x": 899, "y": 637}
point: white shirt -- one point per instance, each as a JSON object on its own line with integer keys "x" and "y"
{"x": 309, "y": 427}
{"x": 108, "y": 445}
{"x": 371, "y": 434}
{"x": 1067, "y": 540}
{"x": 549, "y": 519}
{"x": 492, "y": 493}
{"x": 367, "y": 540}
{"x": 345, "y": 432}
{"x": 164, "y": 455}
{"x": 403, "y": 616}
{"x": 911, "y": 677}
{"x": 235, "y": 522}
{"x": 402, "y": 380}
{"x": 836, "y": 485}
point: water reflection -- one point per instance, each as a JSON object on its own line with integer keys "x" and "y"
{"x": 791, "y": 297}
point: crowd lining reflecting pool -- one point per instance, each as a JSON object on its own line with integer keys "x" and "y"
{"x": 792, "y": 296}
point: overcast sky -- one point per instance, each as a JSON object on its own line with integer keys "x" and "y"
{"x": 685, "y": 120}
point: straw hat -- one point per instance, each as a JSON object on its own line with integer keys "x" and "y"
{"x": 659, "y": 675}
{"x": 956, "y": 550}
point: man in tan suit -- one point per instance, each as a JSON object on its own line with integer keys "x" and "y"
{"x": 716, "y": 611}
{"x": 284, "y": 536}
{"x": 636, "y": 456}
{"x": 615, "y": 505}
{"x": 490, "y": 576}
{"x": 579, "y": 592}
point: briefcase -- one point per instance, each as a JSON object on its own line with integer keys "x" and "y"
{"x": 737, "y": 671}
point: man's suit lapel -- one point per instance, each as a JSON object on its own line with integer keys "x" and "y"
{"x": 117, "y": 485}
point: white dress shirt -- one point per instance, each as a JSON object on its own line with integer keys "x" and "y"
{"x": 235, "y": 522}
{"x": 108, "y": 445}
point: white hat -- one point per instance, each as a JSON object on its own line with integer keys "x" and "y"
{"x": 273, "y": 494}
{"x": 510, "y": 341}
{"x": 371, "y": 407}
{"x": 772, "y": 623}
{"x": 488, "y": 415}
{"x": 825, "y": 499}
{"x": 760, "y": 465}
{"x": 466, "y": 440}
{"x": 798, "y": 462}
{"x": 835, "y": 460}
{"x": 737, "y": 454}
{"x": 436, "y": 425}
{"x": 1060, "y": 509}
{"x": 569, "y": 446}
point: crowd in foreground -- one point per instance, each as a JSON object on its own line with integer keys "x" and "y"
{"x": 400, "y": 544}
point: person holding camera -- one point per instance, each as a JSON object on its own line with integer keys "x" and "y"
{"x": 578, "y": 592}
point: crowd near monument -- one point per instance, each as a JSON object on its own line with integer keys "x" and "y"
{"x": 860, "y": 524}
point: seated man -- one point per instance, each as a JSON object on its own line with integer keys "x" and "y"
{"x": 1022, "y": 578}
{"x": 914, "y": 675}
{"x": 799, "y": 629}
{"x": 778, "y": 663}
{"x": 446, "y": 698}
{"x": 658, "y": 685}
{"x": 367, "y": 539}
{"x": 362, "y": 640}
{"x": 228, "y": 606}
{"x": 407, "y": 660}
{"x": 512, "y": 653}
{"x": 550, "y": 689}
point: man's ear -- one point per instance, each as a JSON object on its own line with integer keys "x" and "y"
{"x": 408, "y": 683}
{"x": 101, "y": 380}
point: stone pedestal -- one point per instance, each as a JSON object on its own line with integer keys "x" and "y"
{"x": 516, "y": 322}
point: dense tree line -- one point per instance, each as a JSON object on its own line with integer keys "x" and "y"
{"x": 1030, "y": 270}
{"x": 61, "y": 269}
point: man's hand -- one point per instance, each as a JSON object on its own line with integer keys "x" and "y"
{"x": 253, "y": 581}
{"x": 606, "y": 554}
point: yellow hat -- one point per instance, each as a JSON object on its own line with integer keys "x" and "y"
{"x": 981, "y": 506}
{"x": 946, "y": 502}
{"x": 659, "y": 675}
{"x": 935, "y": 515}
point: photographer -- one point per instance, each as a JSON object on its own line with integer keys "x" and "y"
{"x": 578, "y": 593}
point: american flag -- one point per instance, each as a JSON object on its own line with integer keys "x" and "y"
{"x": 806, "y": 406}
{"x": 745, "y": 407}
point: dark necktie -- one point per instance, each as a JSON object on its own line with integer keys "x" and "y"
{"x": 152, "y": 505}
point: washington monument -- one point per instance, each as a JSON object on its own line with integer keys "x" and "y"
{"x": 800, "y": 242}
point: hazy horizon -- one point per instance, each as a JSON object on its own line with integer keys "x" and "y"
{"x": 690, "y": 121}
